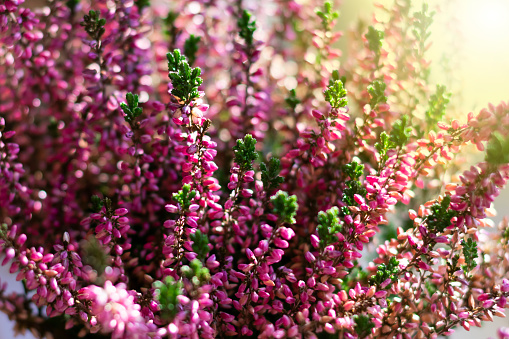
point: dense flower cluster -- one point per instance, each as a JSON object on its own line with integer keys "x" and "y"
{"x": 202, "y": 169}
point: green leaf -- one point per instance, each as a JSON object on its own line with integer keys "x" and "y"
{"x": 185, "y": 196}
{"x": 166, "y": 294}
{"x": 97, "y": 204}
{"x": 93, "y": 25}
{"x": 245, "y": 152}
{"x": 363, "y": 325}
{"x": 141, "y": 4}
{"x": 386, "y": 271}
{"x": 328, "y": 226}
{"x": 441, "y": 216}
{"x": 200, "y": 244}
{"x": 335, "y": 93}
{"x": 191, "y": 48}
{"x": 270, "y": 174}
{"x": 383, "y": 146}
{"x": 497, "y": 152}
{"x": 285, "y": 206}
{"x": 376, "y": 92}
{"x": 185, "y": 80}
{"x": 195, "y": 272}
{"x": 327, "y": 14}
{"x": 247, "y": 27}
{"x": 470, "y": 254}
{"x": 374, "y": 38}
{"x": 437, "y": 106}
{"x": 71, "y": 4}
{"x": 400, "y": 132}
{"x": 131, "y": 109}
{"x": 354, "y": 170}
{"x": 292, "y": 99}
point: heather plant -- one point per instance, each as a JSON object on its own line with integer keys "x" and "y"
{"x": 210, "y": 169}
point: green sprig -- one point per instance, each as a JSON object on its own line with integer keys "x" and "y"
{"x": 285, "y": 206}
{"x": 335, "y": 93}
{"x": 497, "y": 152}
{"x": 245, "y": 152}
{"x": 191, "y": 46}
{"x": 400, "y": 132}
{"x": 437, "y": 106}
{"x": 441, "y": 215}
{"x": 196, "y": 272}
{"x": 185, "y": 80}
{"x": 270, "y": 174}
{"x": 327, "y": 14}
{"x": 185, "y": 196}
{"x": 470, "y": 254}
{"x": 292, "y": 99}
{"x": 247, "y": 27}
{"x": 328, "y": 226}
{"x": 166, "y": 294}
{"x": 363, "y": 325}
{"x": 374, "y": 38}
{"x": 131, "y": 109}
{"x": 93, "y": 25}
{"x": 200, "y": 244}
{"x": 386, "y": 271}
{"x": 376, "y": 92}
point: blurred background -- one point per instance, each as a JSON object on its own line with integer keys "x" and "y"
{"x": 470, "y": 54}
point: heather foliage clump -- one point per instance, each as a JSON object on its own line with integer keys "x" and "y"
{"x": 203, "y": 169}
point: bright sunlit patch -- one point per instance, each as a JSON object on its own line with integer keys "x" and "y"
{"x": 483, "y": 21}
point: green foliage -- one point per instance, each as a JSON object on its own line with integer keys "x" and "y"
{"x": 166, "y": 294}
{"x": 141, "y": 4}
{"x": 270, "y": 174}
{"x": 245, "y": 152}
{"x": 247, "y": 27}
{"x": 437, "y": 106}
{"x": 376, "y": 92}
{"x": 335, "y": 93}
{"x": 169, "y": 23}
{"x": 374, "y": 38}
{"x": 386, "y": 271}
{"x": 131, "y": 110}
{"x": 292, "y": 99}
{"x": 470, "y": 254}
{"x": 328, "y": 226}
{"x": 97, "y": 204}
{"x": 422, "y": 23}
{"x": 363, "y": 325}
{"x": 354, "y": 170}
{"x": 200, "y": 244}
{"x": 93, "y": 25}
{"x": 71, "y": 4}
{"x": 383, "y": 146}
{"x": 196, "y": 272}
{"x": 400, "y": 132}
{"x": 185, "y": 196}
{"x": 95, "y": 255}
{"x": 185, "y": 80}
{"x": 398, "y": 138}
{"x": 3, "y": 232}
{"x": 285, "y": 206}
{"x": 191, "y": 48}
{"x": 497, "y": 152}
{"x": 441, "y": 215}
{"x": 327, "y": 14}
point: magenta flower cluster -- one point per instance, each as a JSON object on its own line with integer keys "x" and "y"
{"x": 203, "y": 169}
